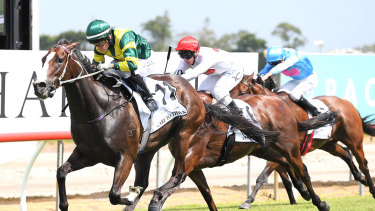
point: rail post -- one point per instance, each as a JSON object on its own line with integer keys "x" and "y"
{"x": 60, "y": 160}
{"x": 23, "y": 205}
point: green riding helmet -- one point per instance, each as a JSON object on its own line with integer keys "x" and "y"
{"x": 97, "y": 30}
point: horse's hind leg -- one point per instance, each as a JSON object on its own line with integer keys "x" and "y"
{"x": 359, "y": 154}
{"x": 292, "y": 153}
{"x": 200, "y": 180}
{"x": 142, "y": 172}
{"x": 76, "y": 161}
{"x": 339, "y": 151}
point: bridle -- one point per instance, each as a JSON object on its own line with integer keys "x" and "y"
{"x": 247, "y": 85}
{"x": 79, "y": 77}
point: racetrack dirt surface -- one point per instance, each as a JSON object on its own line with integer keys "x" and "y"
{"x": 88, "y": 188}
{"x": 222, "y": 195}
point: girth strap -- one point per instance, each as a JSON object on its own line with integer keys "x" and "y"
{"x": 227, "y": 149}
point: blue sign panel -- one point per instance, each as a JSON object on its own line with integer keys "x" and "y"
{"x": 351, "y": 77}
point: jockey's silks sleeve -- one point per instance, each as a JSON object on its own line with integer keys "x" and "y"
{"x": 127, "y": 48}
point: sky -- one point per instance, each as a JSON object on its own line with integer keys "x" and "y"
{"x": 340, "y": 24}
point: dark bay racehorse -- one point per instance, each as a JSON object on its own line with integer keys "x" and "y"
{"x": 106, "y": 127}
{"x": 348, "y": 129}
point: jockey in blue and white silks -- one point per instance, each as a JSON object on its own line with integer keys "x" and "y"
{"x": 296, "y": 66}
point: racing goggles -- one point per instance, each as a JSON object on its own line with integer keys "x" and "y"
{"x": 100, "y": 43}
{"x": 185, "y": 54}
{"x": 274, "y": 63}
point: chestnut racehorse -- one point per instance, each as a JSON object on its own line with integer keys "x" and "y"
{"x": 107, "y": 129}
{"x": 348, "y": 129}
{"x": 207, "y": 147}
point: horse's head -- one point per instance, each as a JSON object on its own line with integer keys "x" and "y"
{"x": 258, "y": 86}
{"x": 58, "y": 66}
{"x": 243, "y": 87}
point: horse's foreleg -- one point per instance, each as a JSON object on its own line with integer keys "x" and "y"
{"x": 161, "y": 194}
{"x": 142, "y": 172}
{"x": 337, "y": 150}
{"x": 75, "y": 162}
{"x": 261, "y": 180}
{"x": 122, "y": 171}
{"x": 297, "y": 182}
{"x": 200, "y": 180}
{"x": 287, "y": 184}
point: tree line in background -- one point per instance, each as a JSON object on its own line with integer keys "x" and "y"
{"x": 158, "y": 33}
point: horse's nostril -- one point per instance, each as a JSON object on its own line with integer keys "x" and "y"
{"x": 42, "y": 85}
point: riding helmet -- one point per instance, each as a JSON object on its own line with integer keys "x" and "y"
{"x": 275, "y": 54}
{"x": 188, "y": 43}
{"x": 97, "y": 30}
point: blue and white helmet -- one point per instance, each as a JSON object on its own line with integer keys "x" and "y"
{"x": 275, "y": 54}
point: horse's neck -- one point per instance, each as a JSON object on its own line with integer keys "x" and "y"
{"x": 86, "y": 98}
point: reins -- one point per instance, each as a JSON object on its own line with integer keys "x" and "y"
{"x": 79, "y": 77}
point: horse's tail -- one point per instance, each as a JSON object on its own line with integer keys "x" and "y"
{"x": 323, "y": 119}
{"x": 368, "y": 125}
{"x": 247, "y": 127}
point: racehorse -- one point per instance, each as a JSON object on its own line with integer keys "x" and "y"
{"x": 107, "y": 129}
{"x": 207, "y": 147}
{"x": 349, "y": 130}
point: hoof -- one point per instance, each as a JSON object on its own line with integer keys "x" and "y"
{"x": 324, "y": 206}
{"x": 245, "y": 205}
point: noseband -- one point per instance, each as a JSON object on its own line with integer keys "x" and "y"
{"x": 248, "y": 87}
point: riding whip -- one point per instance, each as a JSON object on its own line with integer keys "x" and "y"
{"x": 168, "y": 55}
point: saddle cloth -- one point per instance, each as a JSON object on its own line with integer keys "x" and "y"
{"x": 168, "y": 105}
{"x": 322, "y": 132}
{"x": 248, "y": 114}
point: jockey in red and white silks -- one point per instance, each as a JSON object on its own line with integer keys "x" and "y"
{"x": 223, "y": 74}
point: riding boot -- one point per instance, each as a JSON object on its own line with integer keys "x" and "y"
{"x": 234, "y": 108}
{"x": 142, "y": 89}
{"x": 305, "y": 104}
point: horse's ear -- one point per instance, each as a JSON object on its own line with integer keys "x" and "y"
{"x": 45, "y": 57}
{"x": 251, "y": 75}
{"x": 73, "y": 45}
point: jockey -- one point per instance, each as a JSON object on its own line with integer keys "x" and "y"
{"x": 222, "y": 73}
{"x": 131, "y": 54}
{"x": 299, "y": 68}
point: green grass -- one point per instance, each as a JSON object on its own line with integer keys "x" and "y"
{"x": 353, "y": 203}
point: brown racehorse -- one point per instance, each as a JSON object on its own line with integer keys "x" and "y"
{"x": 207, "y": 146}
{"x": 106, "y": 127}
{"x": 349, "y": 130}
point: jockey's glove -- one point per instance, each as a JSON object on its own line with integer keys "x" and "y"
{"x": 104, "y": 66}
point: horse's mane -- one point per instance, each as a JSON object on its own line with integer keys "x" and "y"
{"x": 83, "y": 58}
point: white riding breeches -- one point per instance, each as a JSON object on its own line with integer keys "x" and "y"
{"x": 298, "y": 88}
{"x": 220, "y": 85}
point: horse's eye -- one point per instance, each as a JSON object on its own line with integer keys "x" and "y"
{"x": 60, "y": 60}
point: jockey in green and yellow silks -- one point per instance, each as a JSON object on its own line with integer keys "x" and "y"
{"x": 126, "y": 48}
{"x": 131, "y": 54}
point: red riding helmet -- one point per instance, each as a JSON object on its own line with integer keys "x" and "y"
{"x": 188, "y": 43}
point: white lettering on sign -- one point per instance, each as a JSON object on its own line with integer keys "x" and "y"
{"x": 331, "y": 87}
{"x": 370, "y": 101}
{"x": 350, "y": 93}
